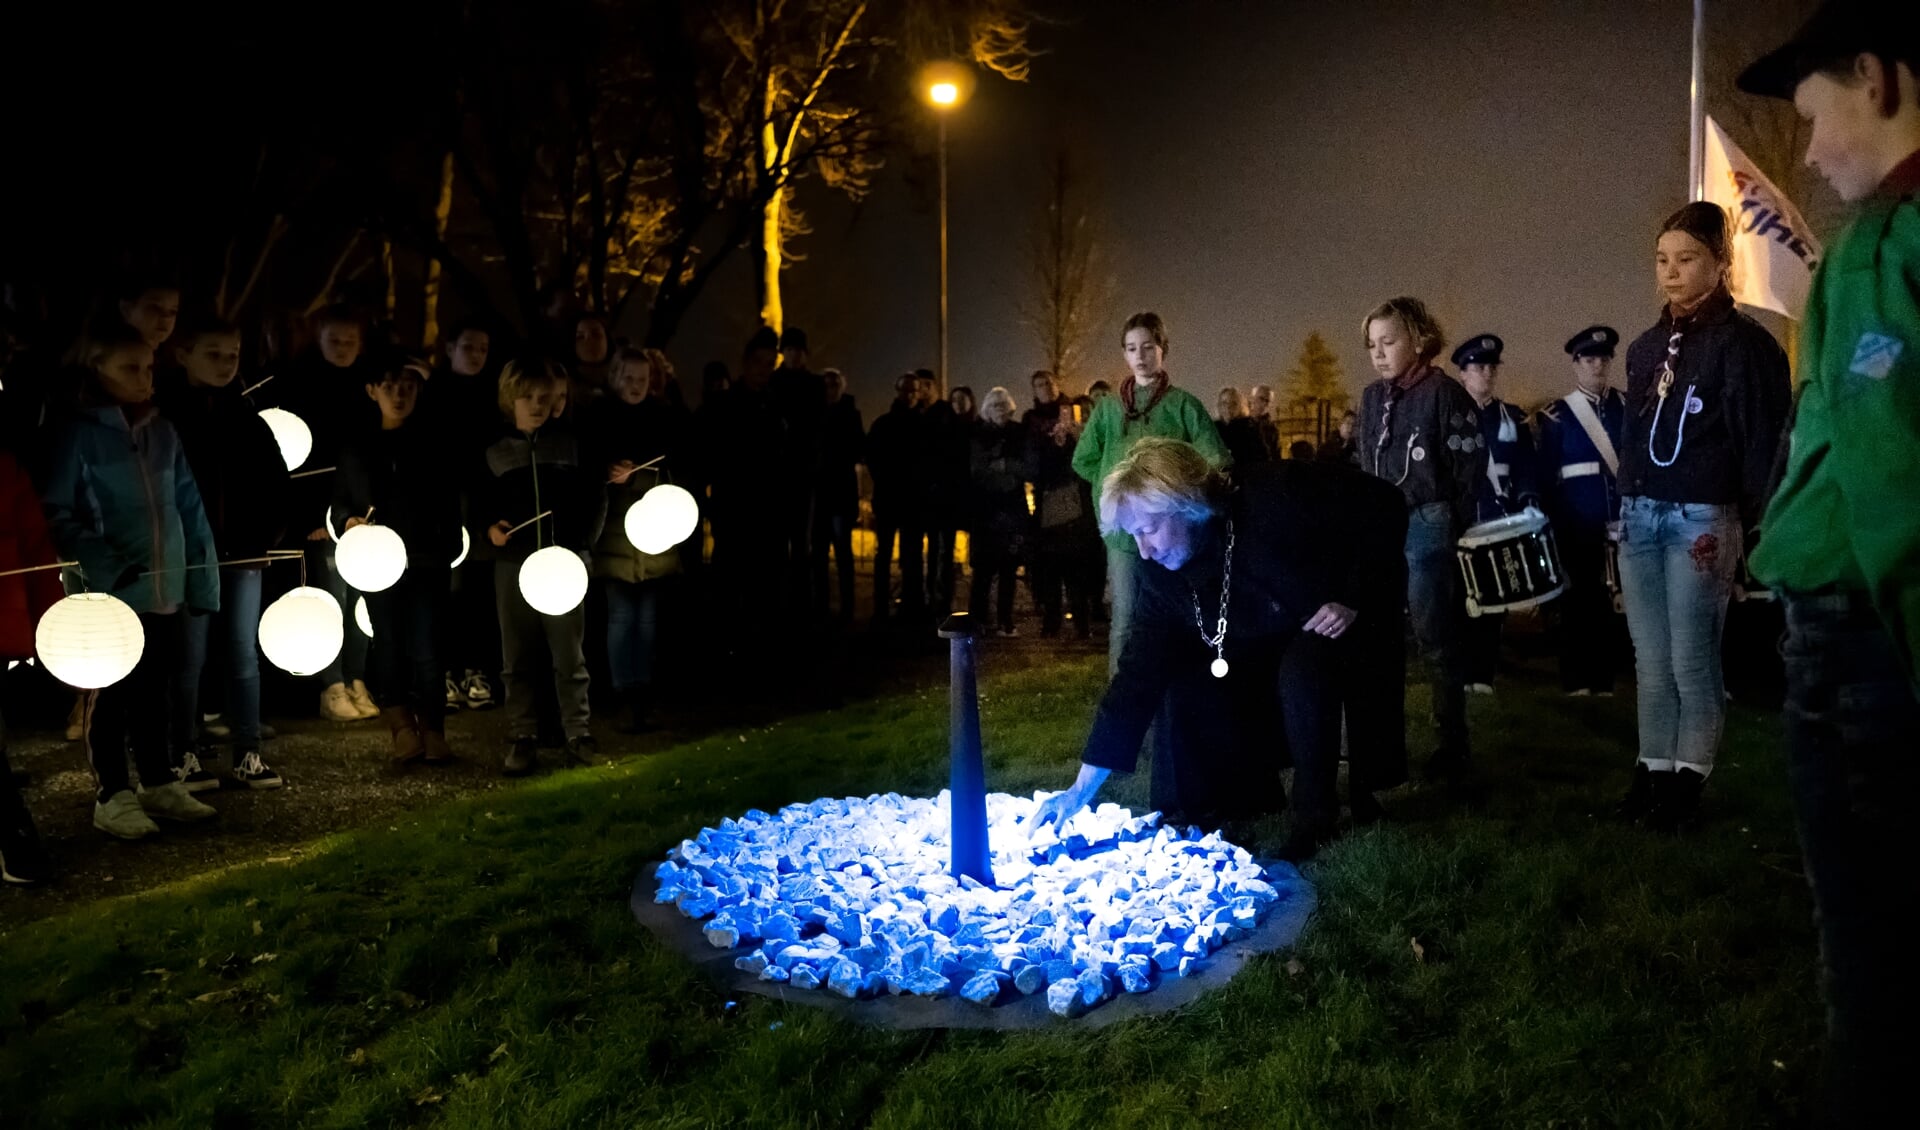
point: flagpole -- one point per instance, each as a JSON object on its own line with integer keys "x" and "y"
{"x": 1697, "y": 109}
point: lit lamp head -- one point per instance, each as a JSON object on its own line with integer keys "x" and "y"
{"x": 302, "y": 631}
{"x": 946, "y": 85}
{"x": 291, "y": 433}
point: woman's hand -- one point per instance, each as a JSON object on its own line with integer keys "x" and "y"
{"x": 1332, "y": 620}
{"x": 498, "y": 533}
{"x": 1061, "y": 807}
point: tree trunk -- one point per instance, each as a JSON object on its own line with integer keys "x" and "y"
{"x": 442, "y": 213}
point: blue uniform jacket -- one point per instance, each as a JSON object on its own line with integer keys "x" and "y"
{"x": 1511, "y": 481}
{"x": 1580, "y": 491}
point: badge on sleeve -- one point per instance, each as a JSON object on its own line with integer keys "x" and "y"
{"x": 1874, "y": 355}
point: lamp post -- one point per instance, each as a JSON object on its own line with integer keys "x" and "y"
{"x": 945, "y": 86}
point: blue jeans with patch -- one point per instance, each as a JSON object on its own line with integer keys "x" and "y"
{"x": 1677, "y": 563}
{"x": 235, "y": 631}
{"x": 1439, "y": 618}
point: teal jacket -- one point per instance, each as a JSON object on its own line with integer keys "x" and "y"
{"x": 1845, "y": 515}
{"x": 1109, "y": 436}
{"x": 121, "y": 500}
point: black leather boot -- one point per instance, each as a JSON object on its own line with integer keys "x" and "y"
{"x": 1638, "y": 803}
{"x": 1676, "y": 801}
{"x": 521, "y": 758}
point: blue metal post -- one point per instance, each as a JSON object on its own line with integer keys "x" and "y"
{"x": 967, "y": 780}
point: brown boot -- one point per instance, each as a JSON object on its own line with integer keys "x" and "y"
{"x": 408, "y": 746}
{"x": 438, "y": 751}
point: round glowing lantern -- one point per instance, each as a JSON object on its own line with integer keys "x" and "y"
{"x": 291, "y": 433}
{"x": 466, "y": 544}
{"x": 663, "y": 518}
{"x": 371, "y": 558}
{"x": 360, "y": 618}
{"x": 302, "y": 631}
{"x": 554, "y": 580}
{"x": 90, "y": 640}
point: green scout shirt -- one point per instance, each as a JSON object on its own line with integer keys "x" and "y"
{"x": 1110, "y": 435}
{"x": 1847, "y": 513}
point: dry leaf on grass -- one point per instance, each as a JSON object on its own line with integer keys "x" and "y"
{"x": 1419, "y": 951}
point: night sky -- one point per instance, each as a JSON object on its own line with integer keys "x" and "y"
{"x": 1266, "y": 170}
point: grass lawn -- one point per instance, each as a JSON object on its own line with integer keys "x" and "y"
{"x": 476, "y": 965}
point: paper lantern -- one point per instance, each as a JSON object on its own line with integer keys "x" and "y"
{"x": 663, "y": 518}
{"x": 554, "y": 580}
{"x": 302, "y": 631}
{"x": 90, "y": 640}
{"x": 371, "y": 558}
{"x": 331, "y": 532}
{"x": 466, "y": 543}
{"x": 360, "y": 618}
{"x": 291, "y": 433}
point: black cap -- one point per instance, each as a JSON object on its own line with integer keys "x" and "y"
{"x": 793, "y": 337}
{"x": 1837, "y": 31}
{"x": 1594, "y": 341}
{"x": 1480, "y": 349}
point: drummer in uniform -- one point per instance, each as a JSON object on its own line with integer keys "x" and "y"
{"x": 1580, "y": 437}
{"x": 1509, "y": 486}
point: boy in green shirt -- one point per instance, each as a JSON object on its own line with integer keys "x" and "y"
{"x": 1841, "y": 541}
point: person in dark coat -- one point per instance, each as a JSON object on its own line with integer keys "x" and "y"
{"x": 895, "y": 450}
{"x": 461, "y": 400}
{"x": 1341, "y": 446}
{"x": 1511, "y": 485}
{"x": 1068, "y": 557}
{"x": 1239, "y": 431}
{"x": 799, "y": 400}
{"x": 837, "y": 494}
{"x": 1281, "y": 565}
{"x": 1000, "y": 521}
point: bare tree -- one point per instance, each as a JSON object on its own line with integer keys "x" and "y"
{"x": 1070, "y": 284}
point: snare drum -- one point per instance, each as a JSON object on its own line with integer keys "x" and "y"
{"x": 1510, "y": 563}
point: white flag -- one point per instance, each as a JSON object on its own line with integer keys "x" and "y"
{"x": 1774, "y": 253}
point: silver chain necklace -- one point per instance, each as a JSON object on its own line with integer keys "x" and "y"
{"x": 1218, "y": 640}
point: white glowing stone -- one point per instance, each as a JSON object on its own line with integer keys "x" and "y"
{"x": 663, "y": 518}
{"x": 302, "y": 631}
{"x": 360, "y": 618}
{"x": 553, "y": 580}
{"x": 371, "y": 558}
{"x": 466, "y": 544}
{"x": 90, "y": 640}
{"x": 291, "y": 433}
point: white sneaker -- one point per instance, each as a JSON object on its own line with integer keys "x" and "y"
{"x": 193, "y": 775}
{"x": 173, "y": 802}
{"x": 121, "y": 815}
{"x": 254, "y": 773}
{"x": 455, "y": 700}
{"x": 363, "y": 700}
{"x": 336, "y": 705}
{"x": 479, "y": 694}
{"x": 1583, "y": 692}
{"x": 1479, "y": 688}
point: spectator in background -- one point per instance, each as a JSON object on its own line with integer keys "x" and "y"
{"x": 997, "y": 466}
{"x": 837, "y": 497}
{"x": 1339, "y": 447}
{"x": 1238, "y": 430}
{"x": 800, "y": 402}
{"x": 1260, "y": 408}
{"x": 894, "y": 454}
{"x": 462, "y": 401}
{"x": 1301, "y": 449}
{"x": 1067, "y": 553}
{"x": 152, "y": 308}
{"x": 1098, "y": 391}
{"x": 592, "y": 351}
{"x": 944, "y": 473}
{"x": 748, "y": 549}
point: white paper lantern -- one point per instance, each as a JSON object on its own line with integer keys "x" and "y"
{"x": 371, "y": 558}
{"x": 466, "y": 544}
{"x": 90, "y": 640}
{"x": 360, "y": 618}
{"x": 663, "y": 518}
{"x": 291, "y": 433}
{"x": 554, "y": 580}
{"x": 331, "y": 532}
{"x": 302, "y": 631}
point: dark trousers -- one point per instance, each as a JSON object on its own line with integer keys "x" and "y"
{"x": 136, "y": 715}
{"x": 835, "y": 532}
{"x": 1219, "y": 744}
{"x": 912, "y": 579}
{"x": 1074, "y": 571}
{"x": 470, "y": 634}
{"x": 994, "y": 558}
{"x": 633, "y": 624}
{"x": 525, "y": 663}
{"x": 1482, "y": 646}
{"x": 1373, "y": 695}
{"x": 940, "y": 546}
{"x": 1439, "y": 615}
{"x": 1853, "y": 729}
{"x": 1589, "y": 635}
{"x": 403, "y": 663}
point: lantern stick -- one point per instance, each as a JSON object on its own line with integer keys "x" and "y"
{"x": 272, "y": 555}
{"x": 37, "y": 568}
{"x": 248, "y": 391}
{"x": 528, "y": 522}
{"x": 315, "y": 471}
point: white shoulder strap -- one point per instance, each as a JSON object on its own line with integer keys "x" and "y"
{"x": 1590, "y": 423}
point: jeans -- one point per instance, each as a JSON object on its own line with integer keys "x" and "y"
{"x": 632, "y": 627}
{"x": 1123, "y": 567}
{"x": 237, "y": 628}
{"x": 521, "y": 632}
{"x": 137, "y": 714}
{"x": 912, "y": 577}
{"x": 1439, "y": 618}
{"x": 403, "y": 667}
{"x": 1853, "y": 728}
{"x": 1677, "y": 564}
{"x": 351, "y": 663}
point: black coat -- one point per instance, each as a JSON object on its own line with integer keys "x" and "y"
{"x": 528, "y": 475}
{"x": 1738, "y": 374}
{"x": 236, "y": 463}
{"x": 895, "y": 456}
{"x": 1305, "y": 535}
{"x": 998, "y": 466}
{"x": 406, "y": 478}
{"x": 1425, "y": 439}
{"x": 1242, "y": 437}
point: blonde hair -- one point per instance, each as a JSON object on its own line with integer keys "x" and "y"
{"x": 521, "y": 377}
{"x": 1231, "y": 404}
{"x": 1160, "y": 476}
{"x": 1428, "y": 338}
{"x": 995, "y": 395}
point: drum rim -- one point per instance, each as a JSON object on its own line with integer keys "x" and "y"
{"x": 1522, "y": 605}
{"x": 1503, "y": 528}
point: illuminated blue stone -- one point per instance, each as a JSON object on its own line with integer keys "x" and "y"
{"x": 1030, "y": 979}
{"x": 753, "y": 963}
{"x": 1136, "y": 976}
{"x": 1189, "y": 966}
{"x": 928, "y": 983}
{"x": 846, "y": 978}
{"x": 984, "y": 987}
{"x": 804, "y": 976}
{"x": 773, "y": 973}
{"x": 1063, "y": 999}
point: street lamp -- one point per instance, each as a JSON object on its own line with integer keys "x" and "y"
{"x": 945, "y": 86}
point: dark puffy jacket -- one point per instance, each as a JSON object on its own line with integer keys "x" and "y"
{"x": 236, "y": 464}
{"x": 895, "y": 452}
{"x": 998, "y": 467}
{"x": 530, "y": 474}
{"x": 637, "y": 433}
{"x": 405, "y": 477}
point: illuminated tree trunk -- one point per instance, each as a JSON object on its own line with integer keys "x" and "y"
{"x": 442, "y": 212}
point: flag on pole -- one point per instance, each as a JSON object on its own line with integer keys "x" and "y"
{"x": 1774, "y": 252}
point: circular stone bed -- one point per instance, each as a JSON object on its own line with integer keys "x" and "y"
{"x": 850, "y": 900}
